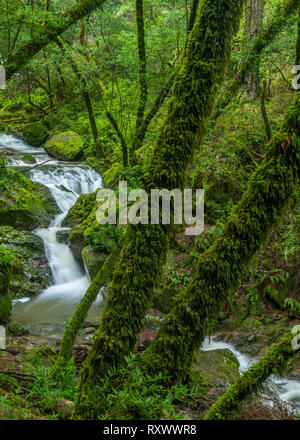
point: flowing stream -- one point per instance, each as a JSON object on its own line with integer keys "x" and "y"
{"x": 48, "y": 312}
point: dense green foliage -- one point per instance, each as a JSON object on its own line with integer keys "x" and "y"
{"x": 152, "y": 92}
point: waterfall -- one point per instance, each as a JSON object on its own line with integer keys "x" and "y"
{"x": 66, "y": 181}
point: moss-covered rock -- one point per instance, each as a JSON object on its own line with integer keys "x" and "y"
{"x": 277, "y": 296}
{"x": 30, "y": 273}
{"x": 25, "y": 205}
{"x": 35, "y": 134}
{"x": 86, "y": 230}
{"x": 220, "y": 368}
{"x": 93, "y": 260}
{"x": 67, "y": 145}
{"x": 6, "y": 261}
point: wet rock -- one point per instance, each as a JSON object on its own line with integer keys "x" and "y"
{"x": 15, "y": 349}
{"x": 293, "y": 369}
{"x": 26, "y": 205}
{"x": 87, "y": 331}
{"x": 145, "y": 339}
{"x": 99, "y": 239}
{"x": 35, "y": 134}
{"x": 219, "y": 368}
{"x": 31, "y": 273}
{"x": 63, "y": 236}
{"x": 68, "y": 145}
{"x": 63, "y": 408}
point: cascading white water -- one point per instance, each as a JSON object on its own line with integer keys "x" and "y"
{"x": 66, "y": 181}
{"x": 288, "y": 390}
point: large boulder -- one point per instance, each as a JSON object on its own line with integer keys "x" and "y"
{"x": 35, "y": 134}
{"x": 219, "y": 368}
{"x": 66, "y": 145}
{"x": 25, "y": 205}
{"x": 30, "y": 273}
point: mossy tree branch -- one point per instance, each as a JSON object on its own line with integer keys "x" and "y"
{"x": 220, "y": 269}
{"x": 274, "y": 361}
{"x": 102, "y": 279}
{"x": 48, "y": 33}
{"x": 144, "y": 253}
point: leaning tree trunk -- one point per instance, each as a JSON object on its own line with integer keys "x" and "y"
{"x": 253, "y": 24}
{"x": 220, "y": 269}
{"x": 144, "y": 254}
{"x": 263, "y": 39}
{"x": 49, "y": 33}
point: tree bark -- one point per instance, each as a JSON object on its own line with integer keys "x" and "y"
{"x": 144, "y": 253}
{"x": 262, "y": 41}
{"x": 253, "y": 25}
{"x": 220, "y": 269}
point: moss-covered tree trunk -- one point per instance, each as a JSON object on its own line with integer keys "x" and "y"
{"x": 220, "y": 269}
{"x": 143, "y": 256}
{"x": 102, "y": 279}
{"x": 139, "y": 7}
{"x": 253, "y": 25}
{"x": 298, "y": 41}
{"x": 5, "y": 272}
{"x": 264, "y": 113}
{"x": 263, "y": 39}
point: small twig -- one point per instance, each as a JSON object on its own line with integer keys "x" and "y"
{"x": 282, "y": 74}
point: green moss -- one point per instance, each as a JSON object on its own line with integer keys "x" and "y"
{"x": 67, "y": 145}
{"x": 219, "y": 368}
{"x": 93, "y": 260}
{"x": 30, "y": 271}
{"x": 23, "y": 204}
{"x": 35, "y": 134}
{"x": 251, "y": 322}
{"x": 15, "y": 329}
{"x": 277, "y": 296}
{"x": 144, "y": 254}
{"x": 86, "y": 230}
{"x": 6, "y": 260}
{"x": 220, "y": 269}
